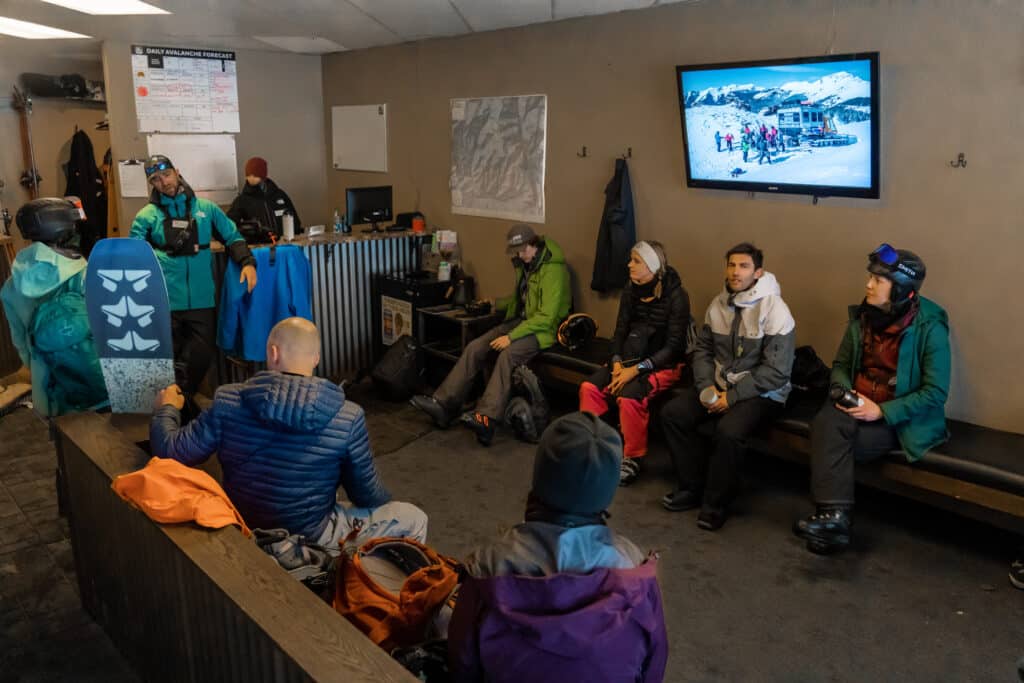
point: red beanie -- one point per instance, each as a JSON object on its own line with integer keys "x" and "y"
{"x": 256, "y": 166}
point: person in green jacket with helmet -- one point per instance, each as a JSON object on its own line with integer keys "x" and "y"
{"x": 179, "y": 226}
{"x": 532, "y": 316}
{"x": 890, "y": 381}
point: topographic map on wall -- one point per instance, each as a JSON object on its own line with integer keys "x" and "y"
{"x": 498, "y": 157}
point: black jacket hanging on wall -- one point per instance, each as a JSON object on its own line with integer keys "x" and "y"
{"x": 86, "y": 183}
{"x": 617, "y": 234}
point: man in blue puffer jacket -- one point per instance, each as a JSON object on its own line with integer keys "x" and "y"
{"x": 285, "y": 441}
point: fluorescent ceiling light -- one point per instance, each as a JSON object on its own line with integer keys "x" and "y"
{"x": 26, "y": 29}
{"x": 109, "y": 6}
{"x": 311, "y": 45}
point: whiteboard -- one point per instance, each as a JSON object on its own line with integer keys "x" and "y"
{"x": 183, "y": 90}
{"x": 207, "y": 162}
{"x": 359, "y": 135}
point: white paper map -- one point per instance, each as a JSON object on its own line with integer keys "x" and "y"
{"x": 180, "y": 90}
{"x": 498, "y": 147}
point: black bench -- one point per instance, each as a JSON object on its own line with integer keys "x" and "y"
{"x": 978, "y": 473}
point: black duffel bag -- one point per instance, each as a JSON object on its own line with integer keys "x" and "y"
{"x": 397, "y": 375}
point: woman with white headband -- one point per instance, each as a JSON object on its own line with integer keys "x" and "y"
{"x": 647, "y": 351}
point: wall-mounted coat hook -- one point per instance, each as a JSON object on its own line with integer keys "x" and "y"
{"x": 961, "y": 161}
{"x": 628, "y": 154}
{"x": 582, "y": 153}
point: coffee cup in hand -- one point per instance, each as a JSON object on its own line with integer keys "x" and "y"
{"x": 709, "y": 396}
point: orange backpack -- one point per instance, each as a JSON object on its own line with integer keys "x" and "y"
{"x": 394, "y": 590}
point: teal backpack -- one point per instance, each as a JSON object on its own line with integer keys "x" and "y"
{"x": 60, "y": 338}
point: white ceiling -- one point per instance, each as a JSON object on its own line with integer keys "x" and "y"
{"x": 353, "y": 24}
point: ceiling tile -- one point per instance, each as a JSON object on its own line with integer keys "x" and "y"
{"x": 564, "y": 9}
{"x": 415, "y": 19}
{"x": 488, "y": 15}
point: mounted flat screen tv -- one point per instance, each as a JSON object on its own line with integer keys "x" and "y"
{"x": 801, "y": 126}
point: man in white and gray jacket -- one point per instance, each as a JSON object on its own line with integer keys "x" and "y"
{"x": 741, "y": 369}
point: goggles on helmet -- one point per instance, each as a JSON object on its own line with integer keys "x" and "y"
{"x": 161, "y": 165}
{"x": 887, "y": 255}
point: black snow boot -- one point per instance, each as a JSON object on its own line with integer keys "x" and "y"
{"x": 827, "y": 530}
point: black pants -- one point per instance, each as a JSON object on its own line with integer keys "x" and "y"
{"x": 713, "y": 468}
{"x": 193, "y": 334}
{"x": 837, "y": 442}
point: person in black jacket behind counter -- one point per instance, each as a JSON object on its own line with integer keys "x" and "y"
{"x": 262, "y": 200}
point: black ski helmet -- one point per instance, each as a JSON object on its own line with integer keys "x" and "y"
{"x": 903, "y": 267}
{"x": 577, "y": 331}
{"x": 50, "y": 220}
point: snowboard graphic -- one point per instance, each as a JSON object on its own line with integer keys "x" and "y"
{"x": 130, "y": 319}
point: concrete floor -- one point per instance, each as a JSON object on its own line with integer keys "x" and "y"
{"x": 922, "y": 596}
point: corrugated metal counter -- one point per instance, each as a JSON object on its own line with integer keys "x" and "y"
{"x": 343, "y": 267}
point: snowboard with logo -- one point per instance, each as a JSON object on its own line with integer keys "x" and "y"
{"x": 130, "y": 318}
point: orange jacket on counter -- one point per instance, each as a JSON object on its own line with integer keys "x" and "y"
{"x": 170, "y": 492}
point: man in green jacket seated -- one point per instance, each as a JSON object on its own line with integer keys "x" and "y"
{"x": 179, "y": 226}
{"x": 893, "y": 365}
{"x": 532, "y": 316}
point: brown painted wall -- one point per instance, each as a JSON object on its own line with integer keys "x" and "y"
{"x": 280, "y": 102}
{"x": 53, "y": 124}
{"x": 951, "y": 82}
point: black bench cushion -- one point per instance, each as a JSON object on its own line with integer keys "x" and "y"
{"x": 585, "y": 361}
{"x": 975, "y": 454}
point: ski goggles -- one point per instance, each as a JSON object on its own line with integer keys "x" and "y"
{"x": 885, "y": 253}
{"x": 158, "y": 165}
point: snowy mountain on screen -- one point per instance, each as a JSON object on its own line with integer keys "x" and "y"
{"x": 843, "y": 95}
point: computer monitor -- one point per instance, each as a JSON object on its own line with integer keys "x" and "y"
{"x": 368, "y": 205}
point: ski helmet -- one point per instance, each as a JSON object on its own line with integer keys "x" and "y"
{"x": 903, "y": 267}
{"x": 50, "y": 220}
{"x": 577, "y": 331}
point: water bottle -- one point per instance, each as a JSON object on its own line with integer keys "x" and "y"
{"x": 288, "y": 226}
{"x": 847, "y": 398}
{"x": 338, "y": 225}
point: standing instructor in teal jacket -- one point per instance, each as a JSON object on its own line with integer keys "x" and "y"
{"x": 179, "y": 226}
{"x": 532, "y": 316}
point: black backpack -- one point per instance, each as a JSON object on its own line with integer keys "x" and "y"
{"x": 810, "y": 374}
{"x": 397, "y": 375}
{"x": 527, "y": 412}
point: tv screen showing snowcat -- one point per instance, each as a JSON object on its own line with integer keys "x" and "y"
{"x": 800, "y": 126}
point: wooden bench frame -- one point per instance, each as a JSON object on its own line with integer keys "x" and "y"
{"x": 183, "y": 603}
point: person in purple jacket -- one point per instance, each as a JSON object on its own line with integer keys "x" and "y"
{"x": 561, "y": 597}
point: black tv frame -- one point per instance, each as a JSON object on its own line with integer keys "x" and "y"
{"x": 871, "y": 192}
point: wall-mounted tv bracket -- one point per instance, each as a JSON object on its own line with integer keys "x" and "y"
{"x": 961, "y": 161}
